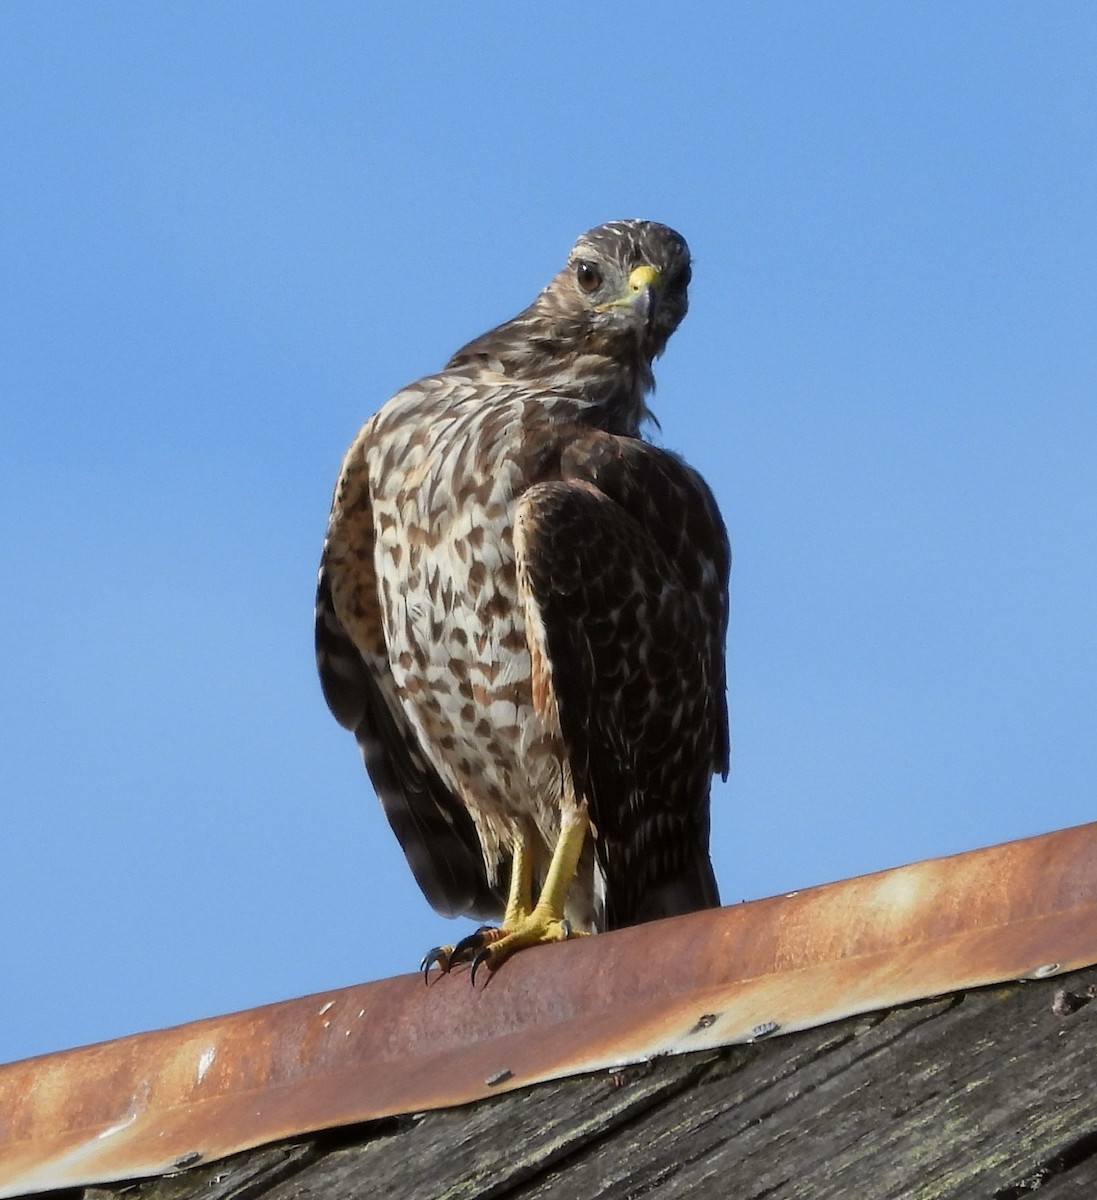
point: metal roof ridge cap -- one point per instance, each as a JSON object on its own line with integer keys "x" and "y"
{"x": 121, "y": 1108}
{"x": 896, "y": 880}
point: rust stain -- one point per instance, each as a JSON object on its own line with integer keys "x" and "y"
{"x": 154, "y": 1102}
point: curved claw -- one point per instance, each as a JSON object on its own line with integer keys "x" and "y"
{"x": 468, "y": 946}
{"x": 467, "y": 949}
{"x": 483, "y": 957}
{"x": 438, "y": 956}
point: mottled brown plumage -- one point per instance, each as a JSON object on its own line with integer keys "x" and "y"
{"x": 522, "y": 607}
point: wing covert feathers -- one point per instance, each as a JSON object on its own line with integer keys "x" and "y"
{"x": 625, "y": 562}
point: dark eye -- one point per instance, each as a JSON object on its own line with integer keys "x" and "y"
{"x": 588, "y": 277}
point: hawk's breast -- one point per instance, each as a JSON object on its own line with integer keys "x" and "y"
{"x": 444, "y": 483}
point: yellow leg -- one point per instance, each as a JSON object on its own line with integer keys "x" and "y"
{"x": 545, "y": 923}
{"x": 524, "y": 924}
{"x": 562, "y": 868}
{"x": 520, "y": 895}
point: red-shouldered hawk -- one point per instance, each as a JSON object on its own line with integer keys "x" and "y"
{"x": 521, "y": 615}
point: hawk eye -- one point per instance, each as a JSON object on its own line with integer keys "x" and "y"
{"x": 588, "y": 277}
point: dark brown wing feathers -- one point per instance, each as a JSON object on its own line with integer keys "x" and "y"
{"x": 677, "y": 509}
{"x": 626, "y": 559}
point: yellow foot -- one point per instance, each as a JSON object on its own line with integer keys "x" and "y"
{"x": 490, "y": 946}
{"x": 523, "y": 925}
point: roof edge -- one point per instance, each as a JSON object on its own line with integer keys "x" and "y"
{"x": 155, "y": 1102}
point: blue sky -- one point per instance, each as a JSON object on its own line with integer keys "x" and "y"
{"x": 230, "y": 231}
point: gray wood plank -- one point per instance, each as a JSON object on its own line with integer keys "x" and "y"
{"x": 487, "y": 1149}
{"x": 241, "y": 1177}
{"x": 936, "y": 1101}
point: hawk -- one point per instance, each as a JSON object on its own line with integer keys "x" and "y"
{"x": 521, "y": 616}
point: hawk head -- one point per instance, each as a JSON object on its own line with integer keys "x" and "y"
{"x": 624, "y": 287}
{"x": 602, "y": 320}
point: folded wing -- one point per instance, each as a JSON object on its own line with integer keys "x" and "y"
{"x": 624, "y": 567}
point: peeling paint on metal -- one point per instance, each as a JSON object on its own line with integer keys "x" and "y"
{"x": 144, "y": 1104}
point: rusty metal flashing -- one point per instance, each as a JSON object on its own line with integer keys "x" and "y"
{"x": 156, "y": 1102}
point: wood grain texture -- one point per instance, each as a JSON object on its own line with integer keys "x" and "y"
{"x": 978, "y": 1096}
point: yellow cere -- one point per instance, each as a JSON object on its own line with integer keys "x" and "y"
{"x": 643, "y": 277}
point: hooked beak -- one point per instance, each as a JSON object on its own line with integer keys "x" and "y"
{"x": 641, "y": 293}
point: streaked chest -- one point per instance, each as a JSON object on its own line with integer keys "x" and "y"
{"x": 443, "y": 495}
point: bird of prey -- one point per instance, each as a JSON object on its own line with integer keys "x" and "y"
{"x": 521, "y": 616}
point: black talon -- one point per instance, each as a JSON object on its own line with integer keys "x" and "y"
{"x": 481, "y": 958}
{"x": 435, "y": 957}
{"x": 565, "y": 926}
{"x": 466, "y": 947}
